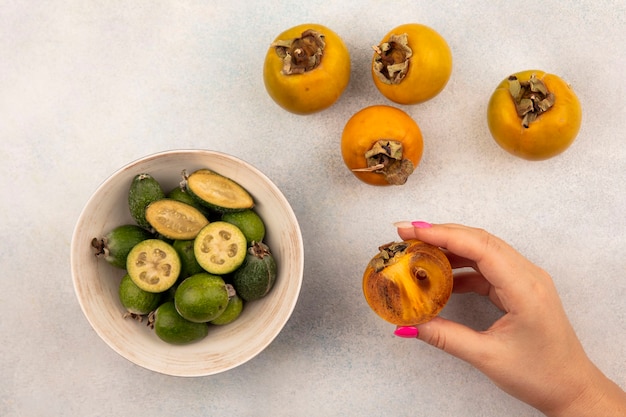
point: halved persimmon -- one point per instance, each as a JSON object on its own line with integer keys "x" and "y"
{"x": 408, "y": 283}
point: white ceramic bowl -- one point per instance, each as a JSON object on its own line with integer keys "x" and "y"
{"x": 96, "y": 282}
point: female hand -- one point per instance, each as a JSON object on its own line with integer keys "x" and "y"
{"x": 532, "y": 351}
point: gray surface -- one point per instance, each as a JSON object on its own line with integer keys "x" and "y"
{"x": 86, "y": 87}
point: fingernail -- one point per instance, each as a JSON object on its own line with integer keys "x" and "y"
{"x": 421, "y": 225}
{"x": 408, "y": 332}
{"x": 403, "y": 225}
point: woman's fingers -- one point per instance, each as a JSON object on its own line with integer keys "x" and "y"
{"x": 494, "y": 258}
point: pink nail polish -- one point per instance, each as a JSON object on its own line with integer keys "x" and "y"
{"x": 408, "y": 332}
{"x": 421, "y": 225}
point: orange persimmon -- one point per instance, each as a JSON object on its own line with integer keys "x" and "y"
{"x": 382, "y": 145}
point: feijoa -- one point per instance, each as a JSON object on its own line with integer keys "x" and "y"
{"x": 217, "y": 192}
{"x": 153, "y": 265}
{"x": 256, "y": 276}
{"x": 174, "y": 219}
{"x": 220, "y": 248}
{"x": 201, "y": 297}
{"x": 249, "y": 222}
{"x": 115, "y": 245}
{"x": 135, "y": 300}
{"x": 188, "y": 263}
{"x": 144, "y": 189}
{"x": 172, "y": 328}
{"x": 232, "y": 312}
{"x": 180, "y": 194}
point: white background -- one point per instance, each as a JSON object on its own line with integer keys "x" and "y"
{"x": 88, "y": 86}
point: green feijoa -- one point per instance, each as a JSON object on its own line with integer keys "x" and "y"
{"x": 220, "y": 248}
{"x": 181, "y": 194}
{"x": 135, "y": 300}
{"x": 144, "y": 189}
{"x": 188, "y": 263}
{"x": 249, "y": 222}
{"x": 232, "y": 312}
{"x": 172, "y": 328}
{"x": 115, "y": 245}
{"x": 201, "y": 297}
{"x": 153, "y": 265}
{"x": 256, "y": 276}
{"x": 217, "y": 192}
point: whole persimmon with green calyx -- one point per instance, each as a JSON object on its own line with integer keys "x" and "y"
{"x": 232, "y": 312}
{"x": 218, "y": 192}
{"x": 136, "y": 301}
{"x": 220, "y": 248}
{"x": 306, "y": 69}
{"x": 534, "y": 115}
{"x": 256, "y": 276}
{"x": 382, "y": 145}
{"x": 172, "y": 328}
{"x": 188, "y": 263}
{"x": 115, "y": 246}
{"x": 144, "y": 189}
{"x": 174, "y": 219}
{"x": 249, "y": 222}
{"x": 153, "y": 265}
{"x": 412, "y": 64}
{"x": 408, "y": 283}
{"x": 201, "y": 297}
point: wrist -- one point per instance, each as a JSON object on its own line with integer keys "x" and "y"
{"x": 598, "y": 396}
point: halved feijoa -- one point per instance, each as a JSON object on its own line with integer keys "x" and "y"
{"x": 217, "y": 192}
{"x": 220, "y": 248}
{"x": 115, "y": 245}
{"x": 174, "y": 219}
{"x": 172, "y": 328}
{"x": 153, "y": 265}
{"x": 144, "y": 189}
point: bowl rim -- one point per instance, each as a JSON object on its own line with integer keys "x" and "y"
{"x": 299, "y": 247}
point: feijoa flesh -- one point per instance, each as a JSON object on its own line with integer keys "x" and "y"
{"x": 144, "y": 189}
{"x": 218, "y": 192}
{"x": 174, "y": 219}
{"x": 256, "y": 276}
{"x": 117, "y": 243}
{"x": 172, "y": 328}
{"x": 153, "y": 265}
{"x": 220, "y": 248}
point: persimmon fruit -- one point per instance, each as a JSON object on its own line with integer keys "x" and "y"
{"x": 534, "y": 115}
{"x": 408, "y": 283}
{"x": 382, "y": 145}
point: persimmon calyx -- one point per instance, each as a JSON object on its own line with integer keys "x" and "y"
{"x": 385, "y": 157}
{"x": 531, "y": 98}
{"x": 386, "y": 255}
{"x": 301, "y": 54}
{"x": 391, "y": 61}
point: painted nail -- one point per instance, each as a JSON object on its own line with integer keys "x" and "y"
{"x": 403, "y": 225}
{"x": 421, "y": 225}
{"x": 408, "y": 332}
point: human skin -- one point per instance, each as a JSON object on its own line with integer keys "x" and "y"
{"x": 538, "y": 361}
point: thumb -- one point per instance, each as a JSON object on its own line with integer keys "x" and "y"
{"x": 455, "y": 339}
